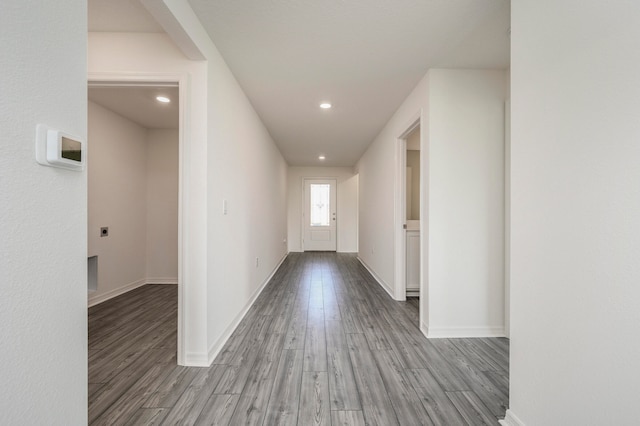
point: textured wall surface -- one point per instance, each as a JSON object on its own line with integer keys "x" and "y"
{"x": 575, "y": 238}
{"x": 43, "y": 221}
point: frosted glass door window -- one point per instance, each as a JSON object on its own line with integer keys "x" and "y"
{"x": 320, "y": 204}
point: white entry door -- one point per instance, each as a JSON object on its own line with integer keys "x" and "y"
{"x": 319, "y": 217}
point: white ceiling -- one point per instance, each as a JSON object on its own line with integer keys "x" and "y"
{"x": 363, "y": 57}
{"x": 120, "y": 16}
{"x": 139, "y": 104}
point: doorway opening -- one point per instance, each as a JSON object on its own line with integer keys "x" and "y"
{"x": 412, "y": 213}
{"x": 136, "y": 186}
{"x": 409, "y": 211}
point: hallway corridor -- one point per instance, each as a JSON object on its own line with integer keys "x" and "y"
{"x": 323, "y": 344}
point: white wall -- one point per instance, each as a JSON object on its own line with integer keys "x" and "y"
{"x": 246, "y": 170}
{"x": 377, "y": 177}
{"x": 466, "y": 202}
{"x": 462, "y": 205}
{"x": 43, "y": 249}
{"x": 575, "y": 298}
{"x": 234, "y": 159}
{"x": 162, "y": 206}
{"x": 347, "y": 204}
{"x": 117, "y": 198}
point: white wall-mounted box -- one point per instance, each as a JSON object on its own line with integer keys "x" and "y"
{"x": 55, "y": 148}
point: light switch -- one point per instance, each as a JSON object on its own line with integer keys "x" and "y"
{"x": 224, "y": 207}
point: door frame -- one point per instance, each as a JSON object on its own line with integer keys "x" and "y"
{"x": 400, "y": 210}
{"x": 123, "y": 79}
{"x": 303, "y": 206}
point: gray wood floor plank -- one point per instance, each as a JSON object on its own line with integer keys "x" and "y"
{"x": 376, "y": 404}
{"x": 404, "y": 399}
{"x": 315, "y": 315}
{"x": 218, "y": 410}
{"x": 170, "y": 390}
{"x": 131, "y": 400}
{"x": 113, "y": 364}
{"x": 435, "y": 401}
{"x": 342, "y": 383}
{"x": 351, "y": 323}
{"x": 471, "y": 350}
{"x": 104, "y": 357}
{"x": 502, "y": 342}
{"x": 500, "y": 380}
{"x": 229, "y": 350}
{"x": 447, "y": 374}
{"x": 347, "y": 418}
{"x": 193, "y": 400}
{"x": 497, "y": 344}
{"x": 315, "y": 348}
{"x": 492, "y": 396}
{"x": 94, "y": 388}
{"x": 376, "y": 367}
{"x": 280, "y": 323}
{"x": 331, "y": 307}
{"x": 252, "y": 339}
{"x": 315, "y": 294}
{"x": 285, "y": 396}
{"x": 315, "y": 406}
{"x": 237, "y": 373}
{"x": 372, "y": 331}
{"x": 117, "y": 386}
{"x": 297, "y": 331}
{"x": 401, "y": 344}
{"x": 148, "y": 417}
{"x": 492, "y": 351}
{"x": 468, "y": 353}
{"x": 471, "y": 408}
{"x": 252, "y": 405}
{"x": 234, "y": 378}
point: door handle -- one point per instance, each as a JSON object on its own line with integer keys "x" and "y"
{"x": 404, "y": 226}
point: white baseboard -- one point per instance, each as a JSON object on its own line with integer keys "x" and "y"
{"x": 459, "y": 332}
{"x": 196, "y": 359}
{"x": 96, "y": 300}
{"x": 424, "y": 328}
{"x": 217, "y": 346}
{"x": 171, "y": 280}
{"x": 511, "y": 419}
{"x": 380, "y": 281}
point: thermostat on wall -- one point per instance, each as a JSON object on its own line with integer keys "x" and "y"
{"x": 58, "y": 149}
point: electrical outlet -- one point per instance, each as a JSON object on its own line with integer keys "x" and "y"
{"x": 257, "y": 262}
{"x": 104, "y": 231}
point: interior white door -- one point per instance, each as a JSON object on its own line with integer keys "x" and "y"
{"x": 319, "y": 217}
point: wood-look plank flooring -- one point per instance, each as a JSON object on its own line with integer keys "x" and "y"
{"x": 322, "y": 345}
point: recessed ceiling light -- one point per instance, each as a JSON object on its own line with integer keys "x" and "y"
{"x": 325, "y": 105}
{"x": 322, "y": 157}
{"x": 163, "y": 99}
